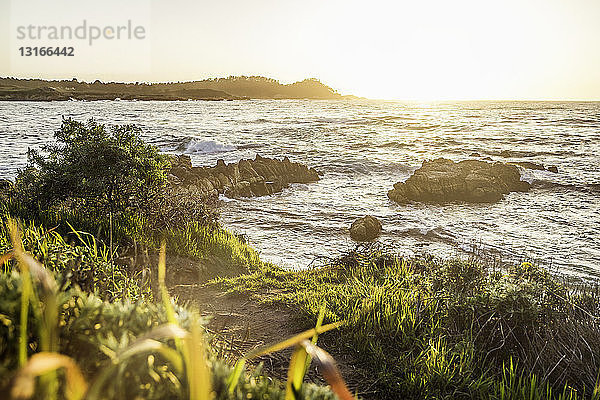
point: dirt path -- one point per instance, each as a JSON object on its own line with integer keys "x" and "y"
{"x": 240, "y": 324}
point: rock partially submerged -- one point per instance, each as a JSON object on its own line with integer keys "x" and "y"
{"x": 246, "y": 178}
{"x": 443, "y": 180}
{"x": 365, "y": 229}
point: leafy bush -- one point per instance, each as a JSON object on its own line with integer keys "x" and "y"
{"x": 94, "y": 167}
{"x": 104, "y": 181}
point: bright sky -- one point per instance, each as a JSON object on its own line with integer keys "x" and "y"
{"x": 419, "y": 49}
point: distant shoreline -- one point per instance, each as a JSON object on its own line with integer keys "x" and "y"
{"x": 232, "y": 88}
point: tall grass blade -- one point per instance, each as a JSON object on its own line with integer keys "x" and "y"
{"x": 296, "y": 373}
{"x": 300, "y": 362}
{"x": 198, "y": 373}
{"x": 315, "y": 336}
{"x": 162, "y": 272}
{"x": 26, "y": 292}
{"x": 234, "y": 378}
{"x": 43, "y": 363}
{"x": 330, "y": 371}
{"x": 292, "y": 341}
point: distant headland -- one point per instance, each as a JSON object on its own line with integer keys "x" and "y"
{"x": 231, "y": 88}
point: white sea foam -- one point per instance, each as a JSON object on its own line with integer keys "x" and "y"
{"x": 197, "y": 146}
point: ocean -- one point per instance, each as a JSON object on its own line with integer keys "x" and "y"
{"x": 362, "y": 148}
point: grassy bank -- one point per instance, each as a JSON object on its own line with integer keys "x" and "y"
{"x": 432, "y": 328}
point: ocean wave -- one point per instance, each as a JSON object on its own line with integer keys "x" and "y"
{"x": 513, "y": 153}
{"x": 198, "y": 146}
{"x": 387, "y": 118}
{"x": 579, "y": 121}
{"x": 418, "y": 126}
{"x": 368, "y": 167}
{"x": 249, "y": 146}
{"x": 526, "y": 154}
{"x": 254, "y": 121}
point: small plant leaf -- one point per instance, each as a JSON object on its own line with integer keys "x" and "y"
{"x": 233, "y": 379}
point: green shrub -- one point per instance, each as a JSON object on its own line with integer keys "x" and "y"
{"x": 95, "y": 168}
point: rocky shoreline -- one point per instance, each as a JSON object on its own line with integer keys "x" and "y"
{"x": 246, "y": 178}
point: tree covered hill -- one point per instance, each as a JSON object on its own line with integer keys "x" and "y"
{"x": 231, "y": 88}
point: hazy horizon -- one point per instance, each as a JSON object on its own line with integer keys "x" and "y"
{"x": 431, "y": 50}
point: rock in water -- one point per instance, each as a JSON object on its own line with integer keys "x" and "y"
{"x": 365, "y": 229}
{"x": 246, "y": 178}
{"x": 443, "y": 180}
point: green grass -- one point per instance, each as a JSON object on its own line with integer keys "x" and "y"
{"x": 90, "y": 330}
{"x": 127, "y": 228}
{"x": 421, "y": 327}
{"x": 225, "y": 252}
{"x": 67, "y": 337}
{"x": 431, "y": 328}
{"x": 77, "y": 259}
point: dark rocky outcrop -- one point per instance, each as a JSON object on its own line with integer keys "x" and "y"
{"x": 443, "y": 180}
{"x": 365, "y": 229}
{"x": 246, "y": 178}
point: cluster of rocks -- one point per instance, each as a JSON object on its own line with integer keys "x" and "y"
{"x": 246, "y": 178}
{"x": 436, "y": 181}
{"x": 443, "y": 180}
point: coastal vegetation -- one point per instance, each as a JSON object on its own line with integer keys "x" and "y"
{"x": 87, "y": 237}
{"x": 448, "y": 328}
